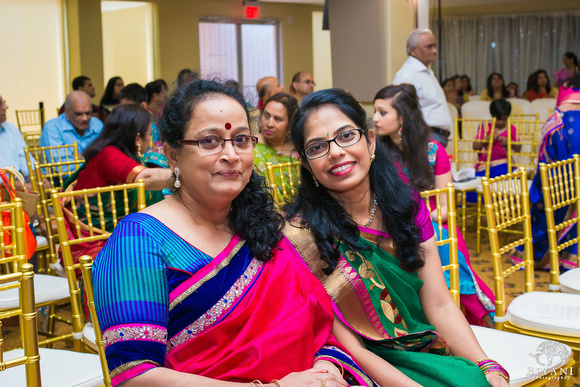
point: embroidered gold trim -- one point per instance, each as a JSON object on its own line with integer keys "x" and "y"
{"x": 335, "y": 283}
{"x": 127, "y": 366}
{"x": 209, "y": 276}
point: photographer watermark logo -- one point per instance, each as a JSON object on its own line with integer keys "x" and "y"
{"x": 547, "y": 355}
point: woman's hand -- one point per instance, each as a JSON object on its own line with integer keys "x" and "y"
{"x": 496, "y": 381}
{"x": 314, "y": 377}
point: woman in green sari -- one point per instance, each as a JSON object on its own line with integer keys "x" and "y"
{"x": 368, "y": 238}
{"x": 274, "y": 146}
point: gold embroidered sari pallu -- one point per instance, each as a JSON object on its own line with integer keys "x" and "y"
{"x": 377, "y": 298}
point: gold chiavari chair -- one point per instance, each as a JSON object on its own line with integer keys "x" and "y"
{"x": 32, "y": 139}
{"x": 283, "y": 179}
{"x": 466, "y": 157}
{"x": 509, "y": 349}
{"x": 89, "y": 229}
{"x": 538, "y": 314}
{"x": 87, "y": 269}
{"x": 527, "y": 132}
{"x": 451, "y": 240}
{"x": 53, "y": 176}
{"x": 525, "y": 117}
{"x": 43, "y": 366}
{"x": 526, "y": 128}
{"x": 30, "y": 118}
{"x": 23, "y": 283}
{"x": 561, "y": 189}
{"x": 48, "y": 154}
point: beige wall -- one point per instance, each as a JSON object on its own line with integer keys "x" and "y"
{"x": 32, "y": 55}
{"x": 322, "y": 58}
{"x": 126, "y": 37}
{"x": 179, "y": 35}
{"x": 368, "y": 43}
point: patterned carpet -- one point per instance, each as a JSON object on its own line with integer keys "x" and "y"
{"x": 481, "y": 264}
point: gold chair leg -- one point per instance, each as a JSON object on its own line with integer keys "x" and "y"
{"x": 463, "y": 214}
{"x": 478, "y": 245}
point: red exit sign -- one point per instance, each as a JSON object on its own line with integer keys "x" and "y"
{"x": 252, "y": 11}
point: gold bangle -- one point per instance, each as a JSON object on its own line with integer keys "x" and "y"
{"x": 500, "y": 374}
{"x": 257, "y": 381}
{"x": 252, "y": 384}
{"x": 276, "y": 382}
{"x": 341, "y": 369}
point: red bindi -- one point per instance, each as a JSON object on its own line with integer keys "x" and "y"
{"x": 228, "y": 126}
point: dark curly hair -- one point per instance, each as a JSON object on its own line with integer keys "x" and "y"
{"x": 253, "y": 216}
{"x": 329, "y": 223}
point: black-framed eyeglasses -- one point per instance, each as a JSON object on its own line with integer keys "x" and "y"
{"x": 343, "y": 140}
{"x": 212, "y": 144}
{"x": 308, "y": 82}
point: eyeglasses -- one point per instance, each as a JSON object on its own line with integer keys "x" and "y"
{"x": 308, "y": 82}
{"x": 343, "y": 140}
{"x": 211, "y": 144}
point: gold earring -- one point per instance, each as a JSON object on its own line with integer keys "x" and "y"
{"x": 372, "y": 158}
{"x": 315, "y": 181}
{"x": 139, "y": 154}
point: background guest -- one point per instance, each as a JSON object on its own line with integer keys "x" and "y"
{"x": 570, "y": 62}
{"x": 495, "y": 88}
{"x": 539, "y": 86}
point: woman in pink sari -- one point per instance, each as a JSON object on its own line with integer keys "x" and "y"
{"x": 200, "y": 288}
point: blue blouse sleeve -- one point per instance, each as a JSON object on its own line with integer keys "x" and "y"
{"x": 131, "y": 298}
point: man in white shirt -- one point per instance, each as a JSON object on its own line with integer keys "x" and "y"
{"x": 422, "y": 51}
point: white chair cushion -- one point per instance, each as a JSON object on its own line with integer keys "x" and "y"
{"x": 556, "y": 313}
{"x": 467, "y": 185}
{"x": 89, "y": 336}
{"x": 46, "y": 288}
{"x": 570, "y": 281}
{"x": 58, "y": 368}
{"x": 41, "y": 242}
{"x": 524, "y": 357}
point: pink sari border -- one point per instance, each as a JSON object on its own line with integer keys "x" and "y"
{"x": 204, "y": 270}
{"x": 131, "y": 373}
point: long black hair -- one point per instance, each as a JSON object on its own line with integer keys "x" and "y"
{"x": 414, "y": 131}
{"x": 326, "y": 218}
{"x": 533, "y": 81}
{"x": 504, "y": 91}
{"x": 109, "y": 90}
{"x": 121, "y": 130}
{"x": 253, "y": 216}
{"x": 469, "y": 88}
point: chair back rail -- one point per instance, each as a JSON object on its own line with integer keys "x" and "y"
{"x": 46, "y": 155}
{"x": 87, "y": 270}
{"x": 464, "y": 154}
{"x": 30, "y": 117}
{"x": 88, "y": 228}
{"x": 506, "y": 205}
{"x": 12, "y": 246}
{"x": 453, "y": 265}
{"x": 561, "y": 188}
{"x": 281, "y": 179}
{"x": 24, "y": 280}
{"x": 528, "y": 133}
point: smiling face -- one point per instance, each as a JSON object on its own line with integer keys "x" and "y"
{"x": 341, "y": 170}
{"x": 386, "y": 119}
{"x": 274, "y": 122}
{"x": 224, "y": 174}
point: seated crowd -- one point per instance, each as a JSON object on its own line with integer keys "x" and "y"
{"x": 343, "y": 284}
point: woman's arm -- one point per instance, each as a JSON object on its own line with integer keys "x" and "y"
{"x": 155, "y": 179}
{"x": 442, "y": 312}
{"x": 378, "y": 369}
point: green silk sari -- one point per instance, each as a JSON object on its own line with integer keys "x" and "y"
{"x": 378, "y": 299}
